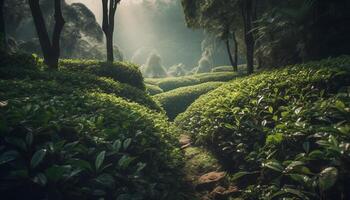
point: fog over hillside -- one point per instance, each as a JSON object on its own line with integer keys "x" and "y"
{"x": 144, "y": 27}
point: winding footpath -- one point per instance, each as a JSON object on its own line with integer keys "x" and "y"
{"x": 204, "y": 173}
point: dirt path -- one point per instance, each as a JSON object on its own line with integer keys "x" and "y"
{"x": 204, "y": 173}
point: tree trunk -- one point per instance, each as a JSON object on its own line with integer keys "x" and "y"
{"x": 247, "y": 11}
{"x": 51, "y": 51}
{"x": 235, "y": 68}
{"x": 3, "y": 43}
{"x": 41, "y": 30}
{"x": 108, "y": 25}
{"x": 230, "y": 54}
{"x": 110, "y": 55}
{"x": 59, "y": 23}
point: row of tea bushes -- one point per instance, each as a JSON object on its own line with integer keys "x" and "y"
{"x": 123, "y": 72}
{"x": 176, "y": 101}
{"x": 283, "y": 133}
{"x": 170, "y": 83}
{"x": 66, "y": 135}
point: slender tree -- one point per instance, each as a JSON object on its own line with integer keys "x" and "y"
{"x": 2, "y": 26}
{"x": 109, "y": 8}
{"x": 226, "y": 37}
{"x": 247, "y": 9}
{"x": 217, "y": 17}
{"x": 50, "y": 49}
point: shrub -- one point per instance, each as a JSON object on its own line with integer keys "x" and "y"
{"x": 119, "y": 71}
{"x": 55, "y": 83}
{"x": 18, "y": 60}
{"x": 176, "y": 82}
{"x": 222, "y": 69}
{"x": 219, "y": 76}
{"x": 63, "y": 136}
{"x": 286, "y": 132}
{"x": 176, "y": 101}
{"x": 153, "y": 89}
{"x": 229, "y": 68}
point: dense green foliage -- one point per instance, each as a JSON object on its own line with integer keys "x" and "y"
{"x": 285, "y": 133}
{"x": 153, "y": 89}
{"x": 119, "y": 71}
{"x": 18, "y": 60}
{"x": 68, "y": 135}
{"x": 240, "y": 68}
{"x": 171, "y": 83}
{"x": 176, "y": 101}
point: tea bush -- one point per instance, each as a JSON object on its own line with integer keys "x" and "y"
{"x": 119, "y": 71}
{"x": 171, "y": 83}
{"x": 65, "y": 135}
{"x": 55, "y": 83}
{"x": 153, "y": 89}
{"x": 176, "y": 101}
{"x": 18, "y": 60}
{"x": 283, "y": 133}
{"x": 229, "y": 68}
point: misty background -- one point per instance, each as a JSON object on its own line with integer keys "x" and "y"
{"x": 145, "y": 27}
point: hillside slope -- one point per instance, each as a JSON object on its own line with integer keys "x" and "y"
{"x": 282, "y": 133}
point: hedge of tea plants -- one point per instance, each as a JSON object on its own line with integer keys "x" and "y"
{"x": 66, "y": 135}
{"x": 170, "y": 83}
{"x": 153, "y": 89}
{"x": 176, "y": 101}
{"x": 119, "y": 71}
{"x": 284, "y": 134}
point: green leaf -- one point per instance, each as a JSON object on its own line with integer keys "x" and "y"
{"x": 288, "y": 192}
{"x": 340, "y": 105}
{"x": 239, "y": 175}
{"x": 303, "y": 179}
{"x": 274, "y": 165}
{"x": 29, "y": 138}
{"x": 270, "y": 109}
{"x": 316, "y": 154}
{"x": 126, "y": 143}
{"x": 140, "y": 167}
{"x": 344, "y": 129}
{"x": 81, "y": 164}
{"x": 298, "y": 110}
{"x": 106, "y": 180}
{"x": 99, "y": 159}
{"x": 37, "y": 158}
{"x": 293, "y": 165}
{"x": 8, "y": 157}
{"x": 327, "y": 178}
{"x": 125, "y": 161}
{"x": 40, "y": 179}
{"x": 306, "y": 147}
{"x": 117, "y": 145}
{"x": 54, "y": 173}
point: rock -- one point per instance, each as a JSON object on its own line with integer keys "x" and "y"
{"x": 185, "y": 146}
{"x": 209, "y": 180}
{"x": 221, "y": 193}
{"x": 184, "y": 140}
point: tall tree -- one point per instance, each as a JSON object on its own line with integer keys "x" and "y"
{"x": 109, "y": 8}
{"x": 216, "y": 17}
{"x": 50, "y": 49}
{"x": 247, "y": 9}
{"x": 2, "y": 26}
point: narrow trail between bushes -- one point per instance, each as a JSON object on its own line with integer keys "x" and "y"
{"x": 204, "y": 173}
